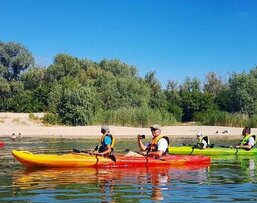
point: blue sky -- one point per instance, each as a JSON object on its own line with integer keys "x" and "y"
{"x": 174, "y": 38}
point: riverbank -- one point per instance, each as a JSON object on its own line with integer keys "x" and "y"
{"x": 20, "y": 123}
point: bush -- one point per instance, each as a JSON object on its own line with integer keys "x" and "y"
{"x": 252, "y": 121}
{"x": 51, "y": 118}
{"x": 137, "y": 117}
{"x": 221, "y": 118}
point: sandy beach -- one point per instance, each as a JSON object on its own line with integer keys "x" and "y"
{"x": 21, "y": 123}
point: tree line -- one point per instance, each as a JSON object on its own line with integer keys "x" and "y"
{"x": 73, "y": 91}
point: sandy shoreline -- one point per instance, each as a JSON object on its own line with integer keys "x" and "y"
{"x": 21, "y": 123}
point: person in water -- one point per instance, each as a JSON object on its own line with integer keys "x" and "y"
{"x": 158, "y": 145}
{"x": 248, "y": 140}
{"x": 106, "y": 145}
{"x": 202, "y": 141}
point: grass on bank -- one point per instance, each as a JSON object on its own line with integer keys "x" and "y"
{"x": 144, "y": 117}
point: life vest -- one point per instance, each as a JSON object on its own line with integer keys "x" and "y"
{"x": 246, "y": 138}
{"x": 153, "y": 146}
{"x": 205, "y": 138}
{"x": 102, "y": 146}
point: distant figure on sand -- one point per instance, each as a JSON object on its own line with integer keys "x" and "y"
{"x": 13, "y": 136}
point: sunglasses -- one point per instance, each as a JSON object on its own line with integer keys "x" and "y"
{"x": 153, "y": 130}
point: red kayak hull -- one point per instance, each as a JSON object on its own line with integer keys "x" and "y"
{"x": 74, "y": 160}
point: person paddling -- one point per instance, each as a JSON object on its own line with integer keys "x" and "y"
{"x": 158, "y": 145}
{"x": 248, "y": 140}
{"x": 202, "y": 141}
{"x": 106, "y": 145}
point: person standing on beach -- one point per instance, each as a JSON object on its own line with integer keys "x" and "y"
{"x": 248, "y": 140}
{"x": 158, "y": 145}
{"x": 106, "y": 145}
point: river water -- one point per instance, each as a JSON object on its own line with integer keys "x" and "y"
{"x": 226, "y": 179}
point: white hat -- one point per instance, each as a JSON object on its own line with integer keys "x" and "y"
{"x": 199, "y": 134}
{"x": 105, "y": 128}
{"x": 156, "y": 127}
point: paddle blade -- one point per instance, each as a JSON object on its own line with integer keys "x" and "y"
{"x": 112, "y": 157}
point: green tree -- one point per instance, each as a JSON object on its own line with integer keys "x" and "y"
{"x": 64, "y": 65}
{"x": 242, "y": 93}
{"x": 158, "y": 99}
{"x": 5, "y": 91}
{"x": 117, "y": 68}
{"x": 25, "y": 101}
{"x": 193, "y": 98}
{"x": 173, "y": 99}
{"x": 33, "y": 78}
{"x": 77, "y": 106}
{"x": 14, "y": 58}
{"x": 213, "y": 83}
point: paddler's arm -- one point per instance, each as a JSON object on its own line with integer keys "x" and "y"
{"x": 108, "y": 151}
{"x": 142, "y": 147}
{"x": 247, "y": 147}
{"x": 156, "y": 153}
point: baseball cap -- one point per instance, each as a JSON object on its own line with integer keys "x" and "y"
{"x": 156, "y": 127}
{"x": 105, "y": 128}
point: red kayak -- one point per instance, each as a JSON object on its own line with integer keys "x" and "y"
{"x": 73, "y": 160}
{"x": 1, "y": 144}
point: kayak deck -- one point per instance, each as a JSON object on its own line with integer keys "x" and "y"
{"x": 218, "y": 151}
{"x": 73, "y": 160}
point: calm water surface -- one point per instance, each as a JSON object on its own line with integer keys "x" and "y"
{"x": 230, "y": 179}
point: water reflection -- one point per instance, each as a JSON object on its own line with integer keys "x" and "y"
{"x": 109, "y": 184}
{"x": 228, "y": 179}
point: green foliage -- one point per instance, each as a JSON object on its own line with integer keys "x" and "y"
{"x": 64, "y": 65}
{"x": 252, "y": 121}
{"x": 242, "y": 93}
{"x": 220, "y": 118}
{"x": 158, "y": 98}
{"x": 5, "y": 91}
{"x": 33, "y": 117}
{"x": 81, "y": 92}
{"x": 25, "y": 101}
{"x": 54, "y": 97}
{"x": 14, "y": 58}
{"x": 33, "y": 78}
{"x": 117, "y": 68}
{"x": 77, "y": 106}
{"x": 193, "y": 102}
{"x": 5, "y": 88}
{"x": 174, "y": 109}
{"x": 16, "y": 86}
{"x": 213, "y": 83}
{"x": 51, "y": 119}
{"x": 139, "y": 117}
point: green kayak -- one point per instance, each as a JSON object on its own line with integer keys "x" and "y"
{"x": 218, "y": 151}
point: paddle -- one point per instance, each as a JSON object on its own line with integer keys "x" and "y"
{"x": 236, "y": 151}
{"x": 111, "y": 156}
{"x": 193, "y": 148}
{"x": 198, "y": 146}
